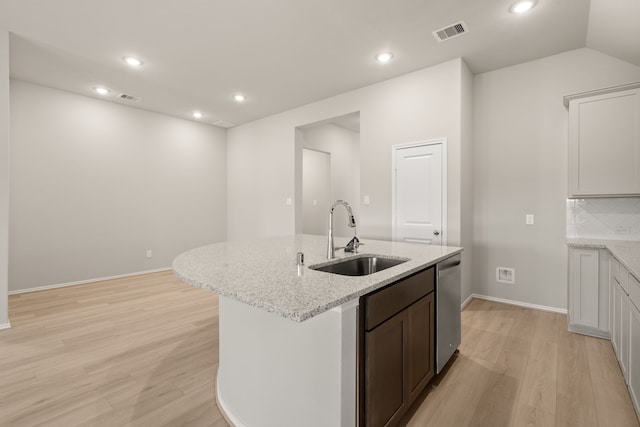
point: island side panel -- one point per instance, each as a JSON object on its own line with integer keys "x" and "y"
{"x": 277, "y": 372}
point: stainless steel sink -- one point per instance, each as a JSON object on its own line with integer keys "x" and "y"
{"x": 362, "y": 265}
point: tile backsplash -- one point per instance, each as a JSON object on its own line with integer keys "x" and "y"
{"x": 612, "y": 219}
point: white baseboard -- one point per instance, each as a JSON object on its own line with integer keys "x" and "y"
{"x": 518, "y": 303}
{"x": 229, "y": 417}
{"x": 85, "y": 282}
{"x": 5, "y": 326}
{"x": 466, "y": 302}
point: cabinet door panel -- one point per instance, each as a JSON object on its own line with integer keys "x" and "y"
{"x": 614, "y": 315}
{"x": 624, "y": 334}
{"x": 385, "y": 390}
{"x": 604, "y": 149}
{"x": 420, "y": 351}
{"x": 584, "y": 275}
{"x": 634, "y": 358}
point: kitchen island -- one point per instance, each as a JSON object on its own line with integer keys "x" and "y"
{"x": 288, "y": 333}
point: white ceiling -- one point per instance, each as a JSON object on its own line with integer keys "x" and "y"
{"x": 282, "y": 53}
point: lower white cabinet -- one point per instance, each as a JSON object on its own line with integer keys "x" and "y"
{"x": 589, "y": 291}
{"x": 624, "y": 335}
{"x": 624, "y": 320}
{"x": 614, "y": 313}
{"x": 634, "y": 356}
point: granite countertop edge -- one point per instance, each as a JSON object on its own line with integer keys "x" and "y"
{"x": 194, "y": 267}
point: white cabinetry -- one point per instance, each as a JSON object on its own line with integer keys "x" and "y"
{"x": 625, "y": 326}
{"x": 619, "y": 282}
{"x": 634, "y": 355}
{"x": 589, "y": 292}
{"x": 604, "y": 144}
{"x": 623, "y": 345}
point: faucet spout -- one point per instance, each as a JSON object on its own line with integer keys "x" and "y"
{"x": 351, "y": 222}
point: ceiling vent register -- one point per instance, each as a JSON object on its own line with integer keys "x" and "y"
{"x": 451, "y": 31}
{"x": 128, "y": 97}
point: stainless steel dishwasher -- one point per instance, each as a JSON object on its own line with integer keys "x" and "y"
{"x": 448, "y": 320}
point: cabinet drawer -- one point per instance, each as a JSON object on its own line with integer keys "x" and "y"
{"x": 388, "y": 301}
{"x": 634, "y": 291}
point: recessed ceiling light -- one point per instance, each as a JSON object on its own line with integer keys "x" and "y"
{"x": 101, "y": 90}
{"x": 384, "y": 57}
{"x": 239, "y": 97}
{"x": 197, "y": 114}
{"x": 133, "y": 61}
{"x": 522, "y": 6}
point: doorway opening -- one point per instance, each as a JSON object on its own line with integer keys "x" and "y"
{"x": 327, "y": 169}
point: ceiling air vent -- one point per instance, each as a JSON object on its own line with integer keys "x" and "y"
{"x": 451, "y": 31}
{"x": 128, "y": 97}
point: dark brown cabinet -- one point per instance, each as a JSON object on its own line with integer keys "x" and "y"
{"x": 397, "y": 355}
{"x": 420, "y": 345}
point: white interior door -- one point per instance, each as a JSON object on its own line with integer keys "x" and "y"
{"x": 418, "y": 205}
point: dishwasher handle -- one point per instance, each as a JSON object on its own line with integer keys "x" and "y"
{"x": 449, "y": 264}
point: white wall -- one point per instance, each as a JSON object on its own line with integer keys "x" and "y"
{"x": 95, "y": 184}
{"x": 520, "y": 167}
{"x": 466, "y": 178}
{"x": 4, "y": 177}
{"x": 344, "y": 147}
{"x": 261, "y": 154}
{"x": 316, "y": 194}
{"x": 425, "y": 104}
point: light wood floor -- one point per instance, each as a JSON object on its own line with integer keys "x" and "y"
{"x": 521, "y": 367}
{"x": 143, "y": 351}
{"x": 138, "y": 351}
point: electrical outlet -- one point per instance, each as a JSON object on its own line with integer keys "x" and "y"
{"x": 149, "y": 253}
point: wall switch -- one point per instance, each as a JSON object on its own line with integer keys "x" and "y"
{"x": 149, "y": 253}
{"x": 288, "y": 202}
{"x": 315, "y": 202}
{"x": 529, "y": 219}
{"x": 365, "y": 200}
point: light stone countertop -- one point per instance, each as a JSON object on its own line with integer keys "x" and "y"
{"x": 627, "y": 252}
{"x": 263, "y": 273}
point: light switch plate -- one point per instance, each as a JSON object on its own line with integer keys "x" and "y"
{"x": 529, "y": 219}
{"x": 288, "y": 202}
{"x": 365, "y": 200}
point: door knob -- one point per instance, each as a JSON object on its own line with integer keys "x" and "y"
{"x": 436, "y": 233}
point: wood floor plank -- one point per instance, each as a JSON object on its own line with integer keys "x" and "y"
{"x": 540, "y": 377}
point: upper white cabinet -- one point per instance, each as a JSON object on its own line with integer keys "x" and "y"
{"x": 604, "y": 144}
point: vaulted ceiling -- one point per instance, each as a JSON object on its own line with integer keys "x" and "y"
{"x": 285, "y": 53}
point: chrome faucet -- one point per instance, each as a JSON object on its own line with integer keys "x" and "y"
{"x": 352, "y": 223}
